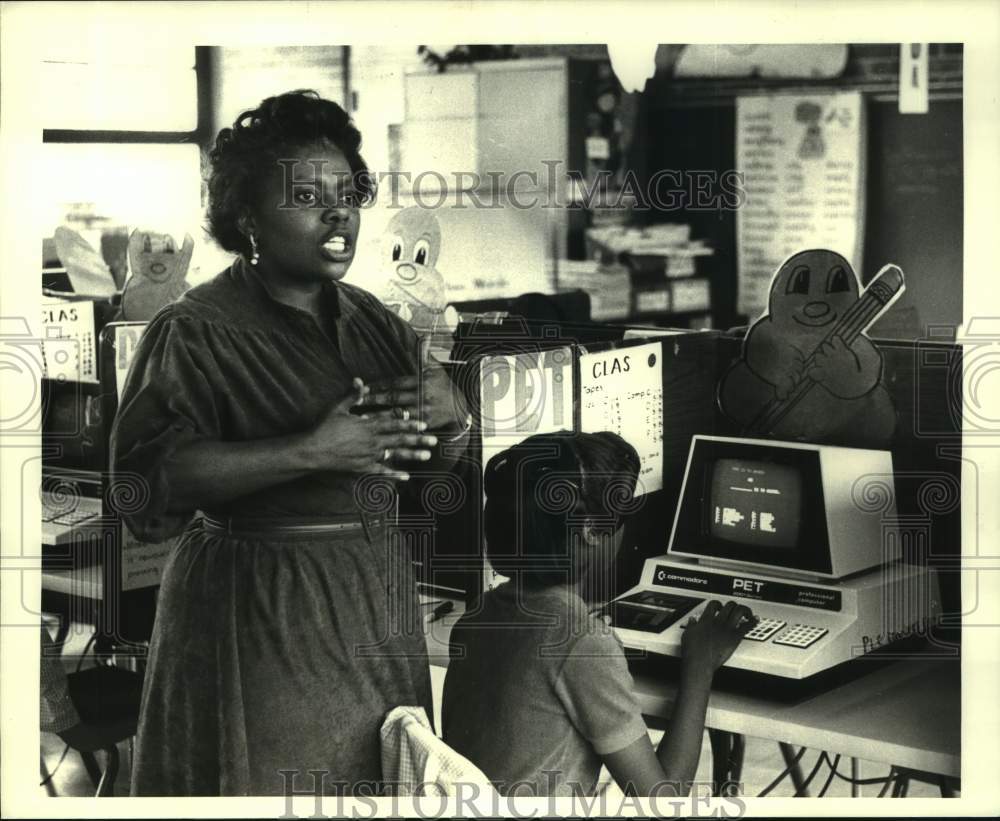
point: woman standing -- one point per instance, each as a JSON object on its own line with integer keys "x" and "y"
{"x": 286, "y": 626}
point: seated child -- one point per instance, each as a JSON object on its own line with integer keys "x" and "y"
{"x": 538, "y": 694}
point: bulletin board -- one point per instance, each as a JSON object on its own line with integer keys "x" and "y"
{"x": 913, "y": 201}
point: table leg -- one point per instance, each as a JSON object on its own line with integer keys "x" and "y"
{"x": 788, "y": 753}
{"x": 106, "y": 787}
{"x": 902, "y": 785}
{"x": 901, "y": 777}
{"x": 62, "y": 631}
{"x": 50, "y": 790}
{"x": 736, "y": 762}
{"x": 947, "y": 788}
{"x": 727, "y": 761}
{"x": 721, "y": 742}
{"x": 92, "y": 767}
{"x": 855, "y": 775}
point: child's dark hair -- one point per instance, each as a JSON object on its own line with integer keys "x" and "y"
{"x": 540, "y": 492}
{"x": 260, "y": 137}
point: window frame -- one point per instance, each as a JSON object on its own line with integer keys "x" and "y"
{"x": 201, "y": 135}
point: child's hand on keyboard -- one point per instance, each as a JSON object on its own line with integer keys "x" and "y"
{"x": 711, "y": 639}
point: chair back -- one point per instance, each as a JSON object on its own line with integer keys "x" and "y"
{"x": 416, "y": 762}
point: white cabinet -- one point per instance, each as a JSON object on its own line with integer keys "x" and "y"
{"x": 449, "y": 96}
{"x": 496, "y": 131}
{"x": 504, "y": 121}
{"x": 435, "y": 153}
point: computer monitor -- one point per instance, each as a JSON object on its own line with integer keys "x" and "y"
{"x": 791, "y": 508}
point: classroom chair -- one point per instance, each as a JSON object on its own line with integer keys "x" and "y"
{"x": 107, "y": 699}
{"x": 416, "y": 762}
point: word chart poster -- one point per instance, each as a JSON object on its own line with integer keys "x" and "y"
{"x": 622, "y": 391}
{"x": 69, "y": 349}
{"x": 802, "y": 158}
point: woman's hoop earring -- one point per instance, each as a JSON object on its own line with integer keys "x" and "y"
{"x": 255, "y": 256}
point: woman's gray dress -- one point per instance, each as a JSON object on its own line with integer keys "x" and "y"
{"x": 271, "y": 656}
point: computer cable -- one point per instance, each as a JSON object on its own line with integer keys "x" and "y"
{"x": 800, "y": 791}
{"x": 861, "y": 781}
{"x": 784, "y": 773}
{"x": 833, "y": 771}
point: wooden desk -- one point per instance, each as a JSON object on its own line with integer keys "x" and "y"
{"x": 906, "y": 713}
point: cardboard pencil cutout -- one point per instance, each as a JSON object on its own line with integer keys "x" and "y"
{"x": 158, "y": 276}
{"x": 807, "y": 370}
{"x": 415, "y": 290}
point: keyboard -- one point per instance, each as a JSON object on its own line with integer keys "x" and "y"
{"x": 62, "y": 516}
{"x": 801, "y": 635}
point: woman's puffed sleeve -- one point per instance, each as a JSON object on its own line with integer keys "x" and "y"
{"x": 404, "y": 341}
{"x": 167, "y": 402}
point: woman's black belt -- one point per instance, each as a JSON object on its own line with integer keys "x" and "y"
{"x": 259, "y": 526}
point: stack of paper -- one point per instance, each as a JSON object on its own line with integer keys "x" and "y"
{"x": 666, "y": 247}
{"x": 607, "y": 283}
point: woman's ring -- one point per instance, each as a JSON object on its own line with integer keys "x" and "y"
{"x": 402, "y": 413}
{"x": 406, "y": 415}
{"x": 386, "y": 454}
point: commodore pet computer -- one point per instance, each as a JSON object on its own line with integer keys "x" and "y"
{"x": 806, "y": 535}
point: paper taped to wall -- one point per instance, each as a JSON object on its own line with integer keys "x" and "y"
{"x": 622, "y": 391}
{"x": 803, "y": 161}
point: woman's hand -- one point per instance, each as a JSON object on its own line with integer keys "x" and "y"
{"x": 711, "y": 639}
{"x": 206, "y": 473}
{"x": 366, "y": 443}
{"x": 430, "y": 397}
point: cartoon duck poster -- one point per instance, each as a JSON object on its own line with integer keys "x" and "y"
{"x": 414, "y": 288}
{"x": 807, "y": 370}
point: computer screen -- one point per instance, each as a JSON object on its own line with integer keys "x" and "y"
{"x": 73, "y": 435}
{"x": 756, "y": 503}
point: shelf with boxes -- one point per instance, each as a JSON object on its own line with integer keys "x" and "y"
{"x": 655, "y": 273}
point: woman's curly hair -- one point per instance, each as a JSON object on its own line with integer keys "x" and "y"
{"x": 259, "y": 138}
